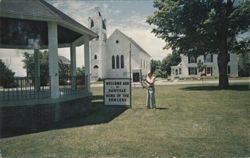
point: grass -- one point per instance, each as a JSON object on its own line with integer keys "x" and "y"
{"x": 191, "y": 122}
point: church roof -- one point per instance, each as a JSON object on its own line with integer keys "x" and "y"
{"x": 133, "y": 42}
{"x": 39, "y": 10}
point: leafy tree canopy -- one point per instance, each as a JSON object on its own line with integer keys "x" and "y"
{"x": 202, "y": 26}
{"x": 170, "y": 60}
{"x": 6, "y": 75}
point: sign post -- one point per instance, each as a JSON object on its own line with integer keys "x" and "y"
{"x": 117, "y": 92}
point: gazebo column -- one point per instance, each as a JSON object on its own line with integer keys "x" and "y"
{"x": 249, "y": 69}
{"x": 86, "y": 61}
{"x": 73, "y": 66}
{"x": 53, "y": 59}
{"x": 37, "y": 69}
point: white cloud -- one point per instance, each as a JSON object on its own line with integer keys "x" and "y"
{"x": 78, "y": 10}
{"x": 117, "y": 11}
{"x": 136, "y": 27}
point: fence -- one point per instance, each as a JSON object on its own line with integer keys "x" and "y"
{"x": 24, "y": 88}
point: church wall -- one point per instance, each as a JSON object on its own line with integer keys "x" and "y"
{"x": 123, "y": 48}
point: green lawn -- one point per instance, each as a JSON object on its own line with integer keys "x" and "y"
{"x": 191, "y": 122}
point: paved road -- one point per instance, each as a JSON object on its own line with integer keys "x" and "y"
{"x": 195, "y": 82}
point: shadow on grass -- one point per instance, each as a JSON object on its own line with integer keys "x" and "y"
{"x": 99, "y": 114}
{"x": 157, "y": 108}
{"x": 215, "y": 88}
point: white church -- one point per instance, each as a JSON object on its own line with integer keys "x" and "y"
{"x": 111, "y": 57}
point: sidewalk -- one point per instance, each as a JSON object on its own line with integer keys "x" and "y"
{"x": 195, "y": 82}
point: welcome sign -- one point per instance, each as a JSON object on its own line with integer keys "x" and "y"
{"x": 117, "y": 91}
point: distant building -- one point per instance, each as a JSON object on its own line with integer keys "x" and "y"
{"x": 188, "y": 66}
{"x": 110, "y": 57}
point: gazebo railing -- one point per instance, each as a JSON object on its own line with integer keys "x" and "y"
{"x": 24, "y": 88}
{"x": 72, "y": 85}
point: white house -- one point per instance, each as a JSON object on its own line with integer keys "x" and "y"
{"x": 188, "y": 67}
{"x": 110, "y": 58}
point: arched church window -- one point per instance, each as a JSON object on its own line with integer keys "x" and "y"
{"x": 122, "y": 61}
{"x": 92, "y": 23}
{"x": 95, "y": 57}
{"x": 117, "y": 41}
{"x": 96, "y": 67}
{"x": 113, "y": 62}
{"x": 117, "y": 62}
{"x": 103, "y": 25}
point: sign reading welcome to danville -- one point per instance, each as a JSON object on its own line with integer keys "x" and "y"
{"x": 117, "y": 91}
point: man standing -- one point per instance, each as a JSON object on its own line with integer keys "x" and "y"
{"x": 150, "y": 80}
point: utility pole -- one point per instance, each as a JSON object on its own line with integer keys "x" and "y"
{"x": 130, "y": 61}
{"x": 130, "y": 74}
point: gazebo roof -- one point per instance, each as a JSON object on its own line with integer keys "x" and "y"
{"x": 29, "y": 18}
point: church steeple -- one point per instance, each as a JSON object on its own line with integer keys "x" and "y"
{"x": 98, "y": 47}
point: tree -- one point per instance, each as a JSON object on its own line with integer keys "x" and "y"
{"x": 198, "y": 27}
{"x": 6, "y": 75}
{"x": 200, "y": 67}
{"x": 244, "y": 65}
{"x": 171, "y": 60}
{"x": 80, "y": 71}
{"x": 155, "y": 64}
{"x": 29, "y": 65}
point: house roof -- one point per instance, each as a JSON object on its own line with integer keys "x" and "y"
{"x": 133, "y": 42}
{"x": 64, "y": 60}
{"x": 40, "y": 10}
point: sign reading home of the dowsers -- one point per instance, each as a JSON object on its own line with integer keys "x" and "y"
{"x": 117, "y": 92}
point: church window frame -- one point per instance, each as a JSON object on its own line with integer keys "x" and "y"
{"x": 117, "y": 62}
{"x": 113, "y": 62}
{"x": 122, "y": 61}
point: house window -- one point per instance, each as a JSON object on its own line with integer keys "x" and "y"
{"x": 122, "y": 61}
{"x": 113, "y": 62}
{"x": 208, "y": 58}
{"x": 192, "y": 70}
{"x": 173, "y": 71}
{"x": 180, "y": 71}
{"x": 209, "y": 70}
{"x": 192, "y": 59}
{"x": 117, "y": 62}
{"x": 176, "y": 71}
{"x": 95, "y": 57}
{"x": 228, "y": 69}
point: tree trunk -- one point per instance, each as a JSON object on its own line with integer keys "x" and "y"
{"x": 223, "y": 58}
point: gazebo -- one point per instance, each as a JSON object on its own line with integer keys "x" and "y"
{"x": 35, "y": 24}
